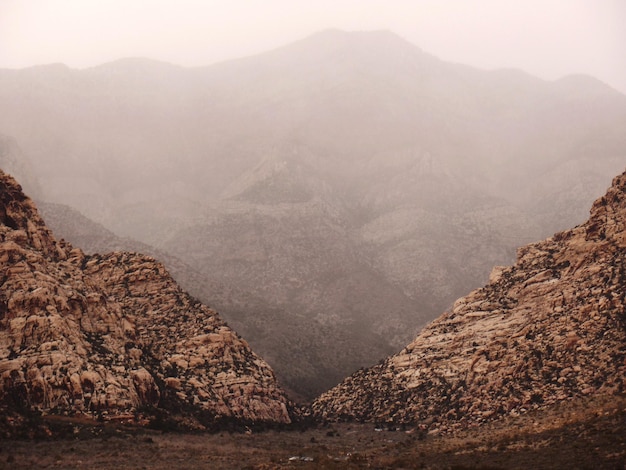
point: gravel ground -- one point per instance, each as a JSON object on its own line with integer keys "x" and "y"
{"x": 586, "y": 434}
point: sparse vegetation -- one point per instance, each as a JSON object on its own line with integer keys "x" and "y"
{"x": 589, "y": 433}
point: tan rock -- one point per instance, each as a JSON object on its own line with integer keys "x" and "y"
{"x": 548, "y": 328}
{"x": 109, "y": 333}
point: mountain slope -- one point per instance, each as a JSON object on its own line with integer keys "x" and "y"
{"x": 114, "y": 335}
{"x": 549, "y": 328}
{"x": 309, "y": 355}
{"x": 342, "y": 156}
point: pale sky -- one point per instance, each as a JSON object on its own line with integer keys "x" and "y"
{"x": 547, "y": 38}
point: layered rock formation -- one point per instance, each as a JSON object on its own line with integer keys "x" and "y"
{"x": 549, "y": 328}
{"x": 113, "y": 335}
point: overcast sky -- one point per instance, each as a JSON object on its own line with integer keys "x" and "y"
{"x": 547, "y": 38}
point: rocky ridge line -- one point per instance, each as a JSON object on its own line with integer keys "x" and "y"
{"x": 550, "y": 328}
{"x": 114, "y": 336}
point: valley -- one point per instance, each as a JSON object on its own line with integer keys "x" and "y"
{"x": 341, "y": 253}
{"x": 342, "y": 189}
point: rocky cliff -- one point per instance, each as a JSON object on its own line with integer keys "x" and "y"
{"x": 113, "y": 335}
{"x": 549, "y": 328}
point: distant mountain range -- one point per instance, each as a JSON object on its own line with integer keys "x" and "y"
{"x": 329, "y": 197}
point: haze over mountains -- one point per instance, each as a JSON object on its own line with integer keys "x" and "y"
{"x": 331, "y": 196}
{"x": 548, "y": 329}
{"x": 540, "y": 351}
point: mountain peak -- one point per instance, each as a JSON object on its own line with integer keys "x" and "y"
{"x": 381, "y": 49}
{"x": 129, "y": 64}
{"x": 375, "y": 41}
{"x": 19, "y": 214}
{"x": 585, "y": 84}
{"x": 335, "y": 34}
{"x": 607, "y": 219}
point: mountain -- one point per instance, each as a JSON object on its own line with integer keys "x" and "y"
{"x": 348, "y": 182}
{"x": 550, "y": 328}
{"x": 72, "y": 226}
{"x": 113, "y": 336}
{"x": 289, "y": 343}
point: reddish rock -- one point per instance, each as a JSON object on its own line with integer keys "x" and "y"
{"x": 549, "y": 328}
{"x": 114, "y": 334}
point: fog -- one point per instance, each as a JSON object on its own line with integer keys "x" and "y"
{"x": 357, "y": 170}
{"x": 548, "y": 39}
{"x": 336, "y": 193}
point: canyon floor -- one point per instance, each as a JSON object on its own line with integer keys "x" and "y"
{"x": 588, "y": 433}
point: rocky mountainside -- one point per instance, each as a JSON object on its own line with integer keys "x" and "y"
{"x": 547, "y": 329}
{"x": 70, "y": 225}
{"x": 114, "y": 336}
{"x": 307, "y": 355}
{"x": 347, "y": 183}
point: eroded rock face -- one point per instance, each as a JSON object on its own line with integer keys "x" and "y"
{"x": 113, "y": 334}
{"x": 551, "y": 327}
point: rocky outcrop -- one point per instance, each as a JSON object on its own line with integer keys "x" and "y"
{"x": 549, "y": 328}
{"x": 113, "y": 335}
